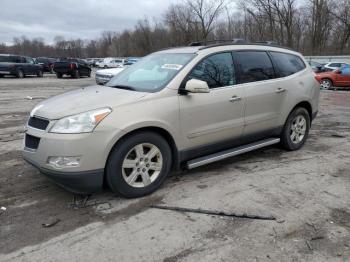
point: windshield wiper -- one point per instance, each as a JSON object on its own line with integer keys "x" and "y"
{"x": 123, "y": 87}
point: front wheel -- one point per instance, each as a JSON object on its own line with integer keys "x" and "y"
{"x": 40, "y": 73}
{"x": 327, "y": 83}
{"x": 296, "y": 129}
{"x": 20, "y": 73}
{"x": 139, "y": 164}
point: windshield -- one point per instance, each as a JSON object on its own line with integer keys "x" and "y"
{"x": 151, "y": 73}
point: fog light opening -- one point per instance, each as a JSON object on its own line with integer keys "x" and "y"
{"x": 63, "y": 161}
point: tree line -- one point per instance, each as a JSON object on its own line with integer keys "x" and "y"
{"x": 313, "y": 27}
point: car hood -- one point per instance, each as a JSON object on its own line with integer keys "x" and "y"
{"x": 84, "y": 99}
{"x": 110, "y": 71}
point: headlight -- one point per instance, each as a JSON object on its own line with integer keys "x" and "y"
{"x": 80, "y": 123}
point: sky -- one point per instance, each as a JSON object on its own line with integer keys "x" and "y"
{"x": 84, "y": 19}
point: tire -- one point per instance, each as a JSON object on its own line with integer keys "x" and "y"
{"x": 143, "y": 179}
{"x": 40, "y": 73}
{"x": 59, "y": 75}
{"x": 1, "y": 76}
{"x": 20, "y": 73}
{"x": 327, "y": 83}
{"x": 295, "y": 133}
{"x": 105, "y": 66}
{"x": 76, "y": 74}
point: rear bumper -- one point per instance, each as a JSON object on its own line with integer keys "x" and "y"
{"x": 84, "y": 182}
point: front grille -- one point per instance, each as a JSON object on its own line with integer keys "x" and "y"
{"x": 32, "y": 142}
{"x": 38, "y": 123}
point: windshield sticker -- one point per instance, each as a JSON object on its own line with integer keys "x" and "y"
{"x": 171, "y": 66}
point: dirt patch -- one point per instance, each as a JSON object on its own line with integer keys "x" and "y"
{"x": 341, "y": 218}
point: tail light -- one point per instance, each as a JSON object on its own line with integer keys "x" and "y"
{"x": 73, "y": 66}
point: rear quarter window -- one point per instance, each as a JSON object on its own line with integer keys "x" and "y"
{"x": 287, "y": 64}
{"x": 254, "y": 66}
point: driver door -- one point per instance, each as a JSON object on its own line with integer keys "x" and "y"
{"x": 208, "y": 118}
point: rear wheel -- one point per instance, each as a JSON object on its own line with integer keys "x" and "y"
{"x": 19, "y": 73}
{"x": 138, "y": 165}
{"x": 326, "y": 83}
{"x": 296, "y": 129}
{"x": 1, "y": 76}
{"x": 59, "y": 75}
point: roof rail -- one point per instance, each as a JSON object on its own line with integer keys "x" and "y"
{"x": 236, "y": 41}
{"x": 218, "y": 41}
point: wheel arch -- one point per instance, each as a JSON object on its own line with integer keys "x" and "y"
{"x": 305, "y": 104}
{"x": 158, "y": 130}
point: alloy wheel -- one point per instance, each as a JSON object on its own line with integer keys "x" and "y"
{"x": 298, "y": 129}
{"x": 142, "y": 165}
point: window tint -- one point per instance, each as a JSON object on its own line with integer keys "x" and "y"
{"x": 335, "y": 65}
{"x": 254, "y": 66}
{"x": 217, "y": 70}
{"x": 287, "y": 64}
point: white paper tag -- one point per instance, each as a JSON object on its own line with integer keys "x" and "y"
{"x": 171, "y": 66}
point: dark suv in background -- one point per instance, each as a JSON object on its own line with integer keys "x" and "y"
{"x": 19, "y": 66}
{"x": 74, "y": 67}
{"x": 46, "y": 63}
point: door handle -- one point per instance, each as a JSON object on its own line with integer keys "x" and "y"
{"x": 280, "y": 90}
{"x": 235, "y": 98}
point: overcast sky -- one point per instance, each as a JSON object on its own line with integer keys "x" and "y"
{"x": 73, "y": 18}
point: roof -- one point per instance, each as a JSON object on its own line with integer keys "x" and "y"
{"x": 226, "y": 47}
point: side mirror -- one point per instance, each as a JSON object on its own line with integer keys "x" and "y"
{"x": 197, "y": 86}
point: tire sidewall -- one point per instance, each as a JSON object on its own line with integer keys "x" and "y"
{"x": 286, "y": 140}
{"x": 114, "y": 174}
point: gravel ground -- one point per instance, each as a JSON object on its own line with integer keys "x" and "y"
{"x": 308, "y": 191}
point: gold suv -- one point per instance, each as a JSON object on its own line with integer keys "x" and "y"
{"x": 177, "y": 108}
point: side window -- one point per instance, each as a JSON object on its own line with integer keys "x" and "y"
{"x": 254, "y": 66}
{"x": 217, "y": 70}
{"x": 345, "y": 70}
{"x": 29, "y": 60}
{"x": 287, "y": 64}
{"x": 335, "y": 65}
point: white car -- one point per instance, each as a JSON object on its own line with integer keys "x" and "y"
{"x": 104, "y": 75}
{"x": 112, "y": 63}
{"x": 334, "y": 65}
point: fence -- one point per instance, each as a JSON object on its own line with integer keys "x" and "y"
{"x": 326, "y": 59}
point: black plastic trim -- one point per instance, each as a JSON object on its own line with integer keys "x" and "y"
{"x": 84, "y": 182}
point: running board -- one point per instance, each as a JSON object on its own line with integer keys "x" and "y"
{"x": 230, "y": 152}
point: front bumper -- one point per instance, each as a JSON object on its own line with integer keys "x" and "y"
{"x": 101, "y": 80}
{"x": 92, "y": 149}
{"x": 84, "y": 182}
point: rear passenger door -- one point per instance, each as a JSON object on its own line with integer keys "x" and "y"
{"x": 263, "y": 93}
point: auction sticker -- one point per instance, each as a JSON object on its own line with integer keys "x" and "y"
{"x": 171, "y": 66}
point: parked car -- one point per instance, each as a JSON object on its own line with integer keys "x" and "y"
{"x": 19, "y": 66}
{"x": 334, "y": 65}
{"x": 316, "y": 67}
{"x": 46, "y": 63}
{"x": 334, "y": 79}
{"x": 112, "y": 63}
{"x": 176, "y": 108}
{"x": 131, "y": 61}
{"x": 74, "y": 67}
{"x": 104, "y": 75}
